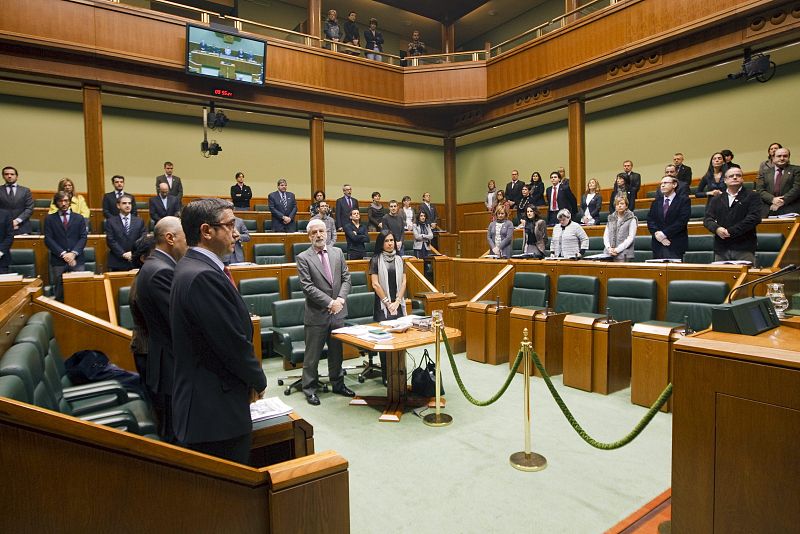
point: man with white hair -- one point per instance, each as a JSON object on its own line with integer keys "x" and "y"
{"x": 326, "y": 282}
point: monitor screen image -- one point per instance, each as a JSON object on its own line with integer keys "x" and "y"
{"x": 223, "y": 55}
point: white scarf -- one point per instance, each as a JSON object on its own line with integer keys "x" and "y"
{"x": 383, "y": 278}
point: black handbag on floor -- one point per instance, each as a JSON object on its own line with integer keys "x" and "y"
{"x": 423, "y": 378}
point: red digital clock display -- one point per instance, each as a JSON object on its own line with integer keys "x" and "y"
{"x": 222, "y": 92}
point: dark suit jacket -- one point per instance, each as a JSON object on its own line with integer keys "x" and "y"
{"x": 740, "y": 219}
{"x": 153, "y": 284}
{"x": 177, "y": 186}
{"x": 371, "y": 41}
{"x": 684, "y": 176}
{"x": 240, "y": 196}
{"x": 157, "y": 211}
{"x": 6, "y": 239}
{"x": 110, "y": 204}
{"x": 318, "y": 291}
{"x": 430, "y": 213}
{"x": 59, "y": 239}
{"x": 343, "y": 211}
{"x": 356, "y": 237}
{"x": 673, "y": 226}
{"x": 628, "y": 194}
{"x": 635, "y": 181}
{"x": 790, "y": 189}
{"x": 593, "y": 208}
{"x": 119, "y": 242}
{"x": 215, "y": 368}
{"x": 514, "y": 191}
{"x": 20, "y": 207}
{"x": 565, "y": 199}
{"x": 278, "y": 211}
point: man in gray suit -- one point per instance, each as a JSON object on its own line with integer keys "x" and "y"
{"x": 779, "y": 185}
{"x": 326, "y": 282}
{"x": 17, "y": 200}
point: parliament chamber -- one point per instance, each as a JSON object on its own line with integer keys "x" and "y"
{"x": 592, "y": 86}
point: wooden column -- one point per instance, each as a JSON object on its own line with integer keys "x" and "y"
{"x": 570, "y": 5}
{"x": 93, "y": 142}
{"x": 450, "y": 190}
{"x": 317, "y": 153}
{"x": 577, "y": 147}
{"x": 448, "y": 39}
{"x": 315, "y": 19}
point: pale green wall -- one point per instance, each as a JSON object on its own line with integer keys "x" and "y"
{"x": 393, "y": 168}
{"x": 43, "y": 139}
{"x": 532, "y": 18}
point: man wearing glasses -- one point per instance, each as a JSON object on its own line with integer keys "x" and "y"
{"x": 667, "y": 221}
{"x": 514, "y": 189}
{"x": 216, "y": 372}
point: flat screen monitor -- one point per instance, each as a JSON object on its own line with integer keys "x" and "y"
{"x": 224, "y": 55}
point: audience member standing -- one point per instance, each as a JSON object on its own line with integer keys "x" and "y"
{"x": 241, "y": 193}
{"x": 536, "y": 190}
{"x": 375, "y": 213}
{"x": 344, "y": 205}
{"x": 429, "y": 210}
{"x": 110, "y": 208}
{"x": 416, "y": 47}
{"x": 767, "y": 163}
{"x": 514, "y": 189}
{"x": 591, "y": 203}
{"x": 500, "y": 234}
{"x": 423, "y": 235}
{"x": 153, "y": 285}
{"x": 524, "y": 202}
{"x": 728, "y": 157}
{"x": 713, "y": 181}
{"x": 356, "y": 235}
{"x": 331, "y": 29}
{"x": 395, "y": 223}
{"x": 76, "y": 202}
{"x": 620, "y": 231}
{"x": 634, "y": 180}
{"x": 351, "y": 33}
{"x": 17, "y": 200}
{"x": 174, "y": 183}
{"x": 330, "y": 226}
{"x": 733, "y": 217}
{"x": 319, "y": 196}
{"x": 163, "y": 204}
{"x": 683, "y": 173}
{"x": 283, "y": 207}
{"x": 373, "y": 40}
{"x": 621, "y": 189}
{"x": 388, "y": 277}
{"x": 779, "y": 186}
{"x": 534, "y": 235}
{"x": 65, "y": 237}
{"x": 326, "y": 283}
{"x": 408, "y": 214}
{"x": 237, "y": 256}
{"x": 6, "y": 239}
{"x": 491, "y": 187}
{"x": 667, "y": 221}
{"x": 559, "y": 196}
{"x": 569, "y": 238}
{"x": 122, "y": 233}
{"x": 216, "y": 373}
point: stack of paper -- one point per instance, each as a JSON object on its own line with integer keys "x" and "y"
{"x": 269, "y": 408}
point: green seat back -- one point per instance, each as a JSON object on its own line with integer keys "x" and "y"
{"x": 251, "y": 225}
{"x": 408, "y": 246}
{"x": 341, "y": 245}
{"x": 297, "y": 248}
{"x": 702, "y": 242}
{"x": 259, "y": 294}
{"x": 530, "y": 290}
{"x": 768, "y": 248}
{"x": 360, "y": 308}
{"x": 631, "y": 299}
{"x": 577, "y": 294}
{"x": 287, "y": 315}
{"x": 124, "y": 315}
{"x": 11, "y": 387}
{"x": 295, "y": 290}
{"x": 90, "y": 259}
{"x": 23, "y": 261}
{"x": 596, "y": 243}
{"x": 358, "y": 279}
{"x": 694, "y": 298}
{"x": 267, "y": 225}
{"x": 142, "y": 205}
{"x": 269, "y": 253}
{"x": 302, "y": 226}
{"x": 516, "y": 245}
{"x": 698, "y": 256}
{"x": 261, "y": 207}
{"x": 36, "y": 226}
{"x": 24, "y": 361}
{"x": 641, "y": 214}
{"x": 41, "y": 202}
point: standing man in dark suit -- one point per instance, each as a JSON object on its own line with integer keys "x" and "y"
{"x": 431, "y": 217}
{"x": 65, "y": 237}
{"x": 283, "y": 207}
{"x": 733, "y": 218}
{"x": 237, "y": 256}
{"x": 241, "y": 193}
{"x": 163, "y": 204}
{"x": 559, "y": 196}
{"x": 779, "y": 185}
{"x": 17, "y": 200}
{"x": 6, "y": 239}
{"x": 683, "y": 173}
{"x": 669, "y": 214}
{"x": 344, "y": 205}
{"x": 122, "y": 232}
{"x": 514, "y": 189}
{"x": 174, "y": 183}
{"x": 634, "y": 179}
{"x": 216, "y": 372}
{"x": 110, "y": 208}
{"x": 326, "y": 282}
{"x": 153, "y": 285}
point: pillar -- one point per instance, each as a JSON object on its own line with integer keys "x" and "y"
{"x": 450, "y": 191}
{"x": 93, "y": 142}
{"x": 577, "y": 146}
{"x": 317, "y": 154}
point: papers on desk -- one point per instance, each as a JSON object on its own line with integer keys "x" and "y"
{"x": 356, "y": 330}
{"x": 784, "y": 216}
{"x": 365, "y": 332}
{"x": 732, "y": 262}
{"x": 664, "y": 260}
{"x": 268, "y": 408}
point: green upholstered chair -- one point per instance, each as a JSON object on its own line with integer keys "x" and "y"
{"x": 288, "y": 336}
{"x": 360, "y": 309}
{"x": 261, "y": 207}
{"x": 692, "y": 299}
{"x": 124, "y": 316}
{"x": 531, "y": 290}
{"x": 768, "y": 248}
{"x": 297, "y": 248}
{"x": 603, "y": 219}
{"x": 408, "y": 247}
{"x": 700, "y": 249}
{"x": 295, "y": 290}
{"x": 251, "y": 225}
{"x": 36, "y": 226}
{"x": 269, "y": 253}
{"x": 651, "y": 194}
{"x": 631, "y": 299}
{"x": 642, "y": 213}
{"x": 596, "y": 245}
{"x": 369, "y": 249}
{"x": 259, "y": 294}
{"x": 142, "y": 205}
{"x": 642, "y": 247}
{"x": 341, "y": 245}
{"x": 516, "y": 246}
{"x": 358, "y": 280}
{"x": 698, "y": 212}
{"x": 267, "y": 225}
{"x": 577, "y": 294}
{"x": 302, "y": 225}
{"x": 90, "y": 259}
{"x": 23, "y": 261}
{"x": 41, "y": 202}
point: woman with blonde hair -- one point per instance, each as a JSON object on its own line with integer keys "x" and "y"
{"x": 77, "y": 204}
{"x": 591, "y": 203}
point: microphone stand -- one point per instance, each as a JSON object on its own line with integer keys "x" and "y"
{"x": 753, "y": 283}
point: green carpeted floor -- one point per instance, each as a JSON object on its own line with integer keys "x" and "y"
{"x": 408, "y": 477}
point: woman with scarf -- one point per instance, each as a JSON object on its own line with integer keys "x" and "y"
{"x": 534, "y": 232}
{"x": 375, "y": 213}
{"x": 620, "y": 231}
{"x": 386, "y": 270}
{"x": 423, "y": 234}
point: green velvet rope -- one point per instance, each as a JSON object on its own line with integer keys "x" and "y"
{"x": 463, "y": 389}
{"x": 567, "y": 413}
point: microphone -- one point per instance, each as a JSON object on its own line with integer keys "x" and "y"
{"x": 753, "y": 283}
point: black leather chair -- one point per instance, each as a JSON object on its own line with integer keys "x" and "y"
{"x": 577, "y": 294}
{"x": 631, "y": 299}
{"x": 360, "y": 308}
{"x": 692, "y": 299}
{"x": 259, "y": 294}
{"x": 288, "y": 338}
{"x": 531, "y": 290}
{"x": 269, "y": 253}
{"x": 23, "y": 261}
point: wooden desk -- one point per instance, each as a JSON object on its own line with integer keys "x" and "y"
{"x": 546, "y": 332}
{"x": 488, "y": 325}
{"x": 397, "y": 391}
{"x": 597, "y": 354}
{"x": 651, "y": 362}
{"x": 280, "y": 439}
{"x": 736, "y": 415}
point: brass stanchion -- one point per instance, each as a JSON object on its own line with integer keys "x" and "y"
{"x": 438, "y": 418}
{"x": 527, "y": 460}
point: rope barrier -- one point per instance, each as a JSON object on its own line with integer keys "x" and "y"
{"x": 643, "y": 422}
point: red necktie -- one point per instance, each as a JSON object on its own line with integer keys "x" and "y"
{"x": 553, "y": 202}
{"x": 64, "y": 220}
{"x": 778, "y": 178}
{"x": 227, "y": 272}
